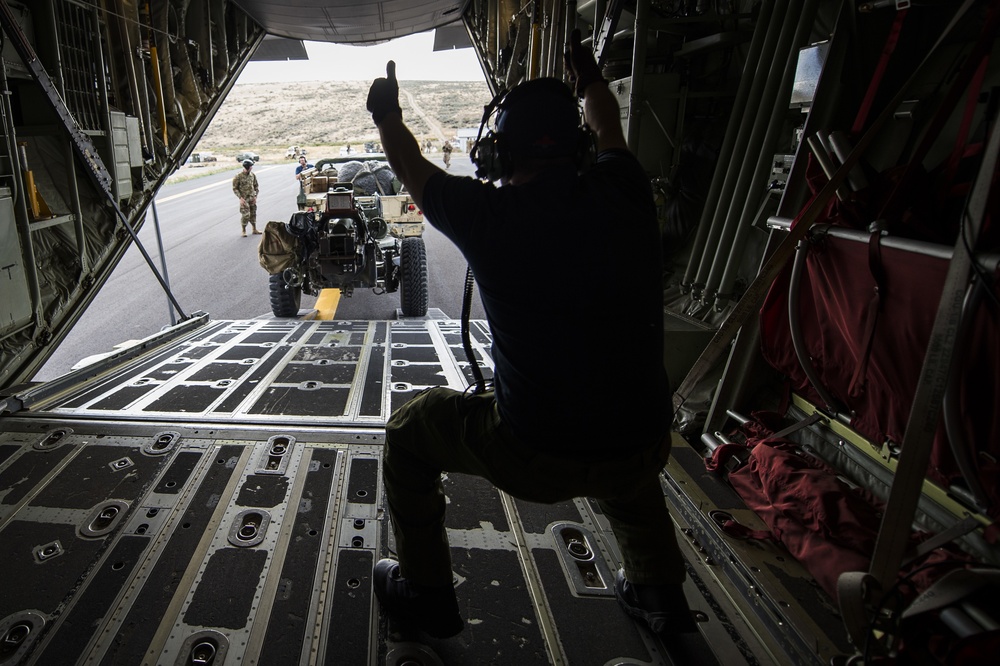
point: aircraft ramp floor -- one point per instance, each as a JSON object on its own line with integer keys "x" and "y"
{"x": 217, "y": 499}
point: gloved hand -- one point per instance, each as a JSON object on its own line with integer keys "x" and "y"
{"x": 580, "y": 65}
{"x": 383, "y": 96}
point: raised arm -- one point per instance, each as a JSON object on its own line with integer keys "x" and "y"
{"x": 398, "y": 143}
{"x": 600, "y": 108}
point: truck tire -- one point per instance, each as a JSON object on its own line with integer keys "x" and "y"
{"x": 285, "y": 300}
{"x": 413, "y": 281}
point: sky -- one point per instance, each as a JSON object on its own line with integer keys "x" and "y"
{"x": 414, "y": 56}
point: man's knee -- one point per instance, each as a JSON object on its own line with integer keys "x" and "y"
{"x": 411, "y": 437}
{"x": 427, "y": 428}
{"x": 425, "y": 408}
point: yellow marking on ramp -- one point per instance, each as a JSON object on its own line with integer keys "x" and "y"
{"x": 326, "y": 305}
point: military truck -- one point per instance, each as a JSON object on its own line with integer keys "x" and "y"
{"x": 350, "y": 233}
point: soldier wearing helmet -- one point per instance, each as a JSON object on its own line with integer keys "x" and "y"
{"x": 245, "y": 188}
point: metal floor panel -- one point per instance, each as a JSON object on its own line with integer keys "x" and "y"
{"x": 218, "y": 500}
{"x": 140, "y": 544}
{"x": 267, "y": 371}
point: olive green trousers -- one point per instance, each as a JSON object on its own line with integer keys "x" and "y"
{"x": 442, "y": 430}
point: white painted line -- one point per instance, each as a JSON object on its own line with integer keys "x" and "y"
{"x": 207, "y": 187}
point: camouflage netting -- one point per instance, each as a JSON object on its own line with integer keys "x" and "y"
{"x": 365, "y": 183}
{"x": 386, "y": 179}
{"x": 348, "y": 170}
{"x": 369, "y": 177}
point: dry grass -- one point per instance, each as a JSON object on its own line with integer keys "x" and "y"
{"x": 325, "y": 115}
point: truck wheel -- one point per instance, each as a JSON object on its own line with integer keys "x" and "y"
{"x": 285, "y": 300}
{"x": 413, "y": 282}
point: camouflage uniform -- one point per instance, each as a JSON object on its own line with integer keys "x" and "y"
{"x": 446, "y": 149}
{"x": 245, "y": 187}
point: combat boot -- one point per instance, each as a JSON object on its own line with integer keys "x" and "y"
{"x": 661, "y": 608}
{"x": 432, "y": 609}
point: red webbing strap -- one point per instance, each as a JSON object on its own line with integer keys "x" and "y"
{"x": 960, "y": 83}
{"x": 960, "y": 150}
{"x": 857, "y": 385}
{"x": 752, "y": 298}
{"x": 858, "y": 381}
{"x": 883, "y": 62}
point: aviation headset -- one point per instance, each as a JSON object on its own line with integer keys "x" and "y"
{"x": 536, "y": 119}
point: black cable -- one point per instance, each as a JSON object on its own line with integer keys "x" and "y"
{"x": 980, "y": 273}
{"x": 480, "y": 383}
{"x": 968, "y": 244}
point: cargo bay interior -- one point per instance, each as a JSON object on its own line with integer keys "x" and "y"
{"x": 825, "y": 174}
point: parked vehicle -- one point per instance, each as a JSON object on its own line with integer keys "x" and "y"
{"x": 202, "y": 156}
{"x": 247, "y": 155}
{"x": 346, "y": 242}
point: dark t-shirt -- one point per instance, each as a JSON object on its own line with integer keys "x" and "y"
{"x": 300, "y": 168}
{"x": 569, "y": 271}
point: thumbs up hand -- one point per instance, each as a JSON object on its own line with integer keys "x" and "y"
{"x": 383, "y": 96}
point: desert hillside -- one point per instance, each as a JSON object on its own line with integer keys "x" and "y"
{"x": 272, "y": 116}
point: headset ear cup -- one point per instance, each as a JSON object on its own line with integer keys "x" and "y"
{"x": 480, "y": 154}
{"x": 489, "y": 158}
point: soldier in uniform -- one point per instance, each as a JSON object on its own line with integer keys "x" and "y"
{"x": 246, "y": 190}
{"x": 446, "y": 149}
